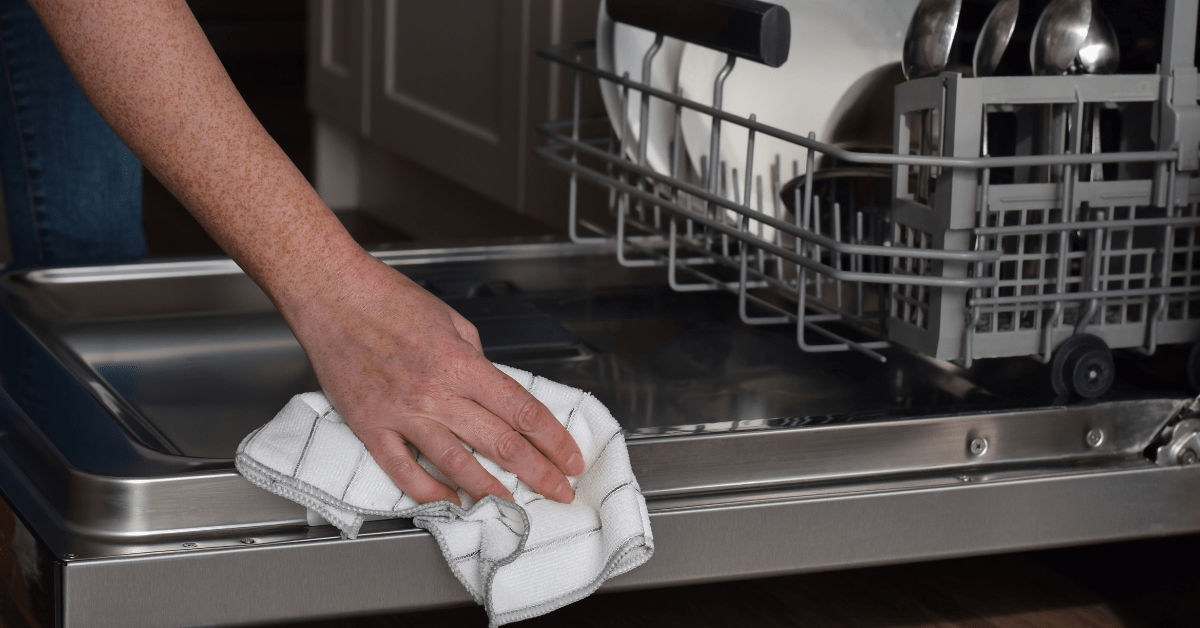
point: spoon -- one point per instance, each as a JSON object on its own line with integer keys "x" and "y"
{"x": 1058, "y": 36}
{"x": 930, "y": 34}
{"x": 994, "y": 36}
{"x": 1099, "y": 53}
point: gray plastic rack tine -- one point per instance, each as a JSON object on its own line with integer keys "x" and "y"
{"x": 1012, "y": 255}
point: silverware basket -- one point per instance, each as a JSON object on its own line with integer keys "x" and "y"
{"x": 1061, "y": 245}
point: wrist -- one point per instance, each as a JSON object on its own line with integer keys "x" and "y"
{"x": 330, "y": 271}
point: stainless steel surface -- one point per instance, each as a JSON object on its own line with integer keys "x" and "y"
{"x": 1100, "y": 52}
{"x": 773, "y": 534}
{"x": 192, "y": 361}
{"x": 123, "y": 391}
{"x": 1058, "y": 36}
{"x": 730, "y": 427}
{"x": 930, "y": 36}
{"x": 753, "y": 457}
{"x": 994, "y": 36}
{"x": 1183, "y": 448}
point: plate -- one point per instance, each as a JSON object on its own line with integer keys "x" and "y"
{"x": 834, "y": 44}
{"x": 620, "y": 48}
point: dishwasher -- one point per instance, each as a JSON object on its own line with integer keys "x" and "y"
{"x": 819, "y": 385}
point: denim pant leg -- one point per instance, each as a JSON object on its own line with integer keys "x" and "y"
{"x": 72, "y": 190}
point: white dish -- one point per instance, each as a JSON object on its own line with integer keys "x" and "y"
{"x": 620, "y": 48}
{"x": 833, "y": 44}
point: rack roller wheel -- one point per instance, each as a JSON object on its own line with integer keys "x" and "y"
{"x": 1193, "y": 367}
{"x": 1083, "y": 366}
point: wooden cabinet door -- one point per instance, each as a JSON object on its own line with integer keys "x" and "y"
{"x": 453, "y": 87}
{"x": 336, "y": 38}
{"x": 447, "y": 85}
{"x": 544, "y": 191}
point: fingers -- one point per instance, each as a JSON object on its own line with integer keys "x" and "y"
{"x": 502, "y": 396}
{"x": 447, "y": 453}
{"x": 501, "y": 444}
{"x": 392, "y": 455}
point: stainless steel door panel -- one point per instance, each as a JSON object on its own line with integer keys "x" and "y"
{"x": 708, "y": 543}
{"x": 201, "y": 380}
{"x": 742, "y": 459}
{"x": 395, "y": 571}
{"x": 756, "y": 459}
{"x": 105, "y": 515}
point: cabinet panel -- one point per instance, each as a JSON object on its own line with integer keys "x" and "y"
{"x": 341, "y": 30}
{"x": 447, "y": 91}
{"x": 335, "y": 59}
{"x": 550, "y": 97}
{"x": 453, "y": 87}
{"x": 442, "y": 61}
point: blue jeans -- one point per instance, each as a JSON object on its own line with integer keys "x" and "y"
{"x": 72, "y": 190}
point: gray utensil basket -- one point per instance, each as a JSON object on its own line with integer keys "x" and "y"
{"x": 1056, "y": 231}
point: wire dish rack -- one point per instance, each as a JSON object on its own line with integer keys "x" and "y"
{"x": 1064, "y": 236}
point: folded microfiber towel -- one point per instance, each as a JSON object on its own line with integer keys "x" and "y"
{"x": 517, "y": 560}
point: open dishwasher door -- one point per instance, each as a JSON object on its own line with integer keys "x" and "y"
{"x": 126, "y": 390}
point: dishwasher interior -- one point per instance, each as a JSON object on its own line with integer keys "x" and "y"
{"x": 124, "y": 391}
{"x": 120, "y": 474}
{"x": 660, "y": 360}
{"x": 198, "y": 379}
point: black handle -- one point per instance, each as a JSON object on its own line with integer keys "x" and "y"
{"x": 747, "y": 28}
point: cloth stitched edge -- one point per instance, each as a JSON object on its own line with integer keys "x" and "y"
{"x": 632, "y": 552}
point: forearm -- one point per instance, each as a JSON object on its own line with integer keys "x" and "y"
{"x": 151, "y": 73}
{"x": 402, "y": 367}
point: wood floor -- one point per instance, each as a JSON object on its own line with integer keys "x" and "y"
{"x": 1127, "y": 585}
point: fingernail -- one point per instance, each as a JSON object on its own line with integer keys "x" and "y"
{"x": 564, "y": 493}
{"x": 575, "y": 464}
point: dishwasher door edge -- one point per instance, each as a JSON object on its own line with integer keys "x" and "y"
{"x": 330, "y": 577}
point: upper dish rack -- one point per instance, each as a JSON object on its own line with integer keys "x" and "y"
{"x": 971, "y": 253}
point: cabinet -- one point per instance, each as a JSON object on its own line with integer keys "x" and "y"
{"x": 335, "y": 60}
{"x": 403, "y": 89}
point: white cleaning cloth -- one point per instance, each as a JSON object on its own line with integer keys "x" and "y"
{"x": 518, "y": 561}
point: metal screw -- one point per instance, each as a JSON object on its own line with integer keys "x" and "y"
{"x": 1187, "y": 456}
{"x": 248, "y": 541}
{"x": 1095, "y": 437}
{"x": 190, "y": 545}
{"x": 70, "y": 556}
{"x": 978, "y": 446}
{"x": 964, "y": 478}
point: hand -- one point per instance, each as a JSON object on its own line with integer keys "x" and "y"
{"x": 399, "y": 365}
{"x": 402, "y": 367}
